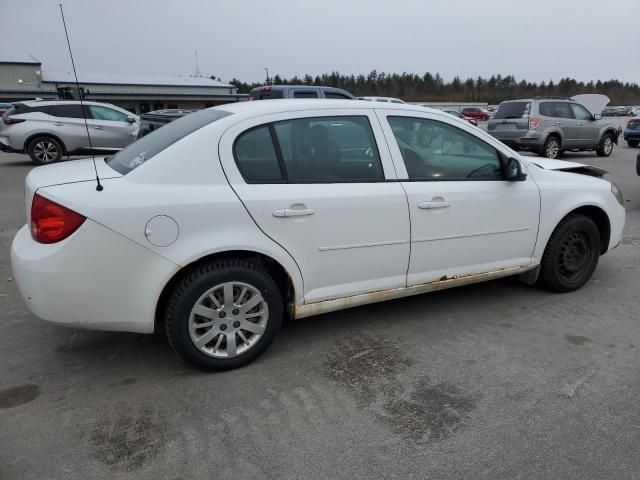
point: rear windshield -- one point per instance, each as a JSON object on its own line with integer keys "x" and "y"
{"x": 512, "y": 110}
{"x": 150, "y": 145}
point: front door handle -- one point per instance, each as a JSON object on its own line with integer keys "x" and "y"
{"x": 58, "y": 124}
{"x": 435, "y": 203}
{"x": 293, "y": 212}
{"x": 558, "y": 122}
{"x": 580, "y": 123}
{"x": 98, "y": 127}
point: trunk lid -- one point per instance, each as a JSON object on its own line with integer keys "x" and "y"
{"x": 510, "y": 117}
{"x": 73, "y": 171}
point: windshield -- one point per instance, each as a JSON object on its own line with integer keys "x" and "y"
{"x": 150, "y": 145}
{"x": 512, "y": 110}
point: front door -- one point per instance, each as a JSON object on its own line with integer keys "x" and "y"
{"x": 588, "y": 128}
{"x": 109, "y": 128}
{"x": 465, "y": 218}
{"x": 314, "y": 182}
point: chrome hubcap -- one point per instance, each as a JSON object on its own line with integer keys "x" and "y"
{"x": 45, "y": 151}
{"x": 552, "y": 149}
{"x": 228, "y": 319}
{"x": 608, "y": 145}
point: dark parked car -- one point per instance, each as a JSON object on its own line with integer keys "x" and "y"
{"x": 158, "y": 118}
{"x": 615, "y": 112}
{"x": 477, "y": 113}
{"x": 632, "y": 132}
{"x": 269, "y": 92}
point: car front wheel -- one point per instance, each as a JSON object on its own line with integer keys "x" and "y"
{"x": 223, "y": 314}
{"x": 606, "y": 146}
{"x": 45, "y": 150}
{"x": 572, "y": 254}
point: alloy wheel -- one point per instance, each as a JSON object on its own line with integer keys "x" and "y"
{"x": 228, "y": 319}
{"x": 553, "y": 148}
{"x": 45, "y": 151}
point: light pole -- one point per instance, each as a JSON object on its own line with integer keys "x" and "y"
{"x": 266, "y": 69}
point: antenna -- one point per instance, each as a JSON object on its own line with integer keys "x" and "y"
{"x": 197, "y": 69}
{"x": 99, "y": 187}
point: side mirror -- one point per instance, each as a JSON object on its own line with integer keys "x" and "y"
{"x": 597, "y": 116}
{"x": 131, "y": 119}
{"x": 513, "y": 171}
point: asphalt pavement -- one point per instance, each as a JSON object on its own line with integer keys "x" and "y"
{"x": 490, "y": 381}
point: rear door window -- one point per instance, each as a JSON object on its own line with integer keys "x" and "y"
{"x": 562, "y": 110}
{"x": 512, "y": 110}
{"x": 256, "y": 156}
{"x": 69, "y": 111}
{"x": 305, "y": 94}
{"x": 335, "y": 95}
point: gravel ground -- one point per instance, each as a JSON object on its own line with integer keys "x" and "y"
{"x": 491, "y": 381}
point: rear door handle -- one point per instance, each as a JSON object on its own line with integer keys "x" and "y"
{"x": 580, "y": 123}
{"x": 293, "y": 212}
{"x": 98, "y": 127}
{"x": 433, "y": 204}
{"x": 558, "y": 123}
{"x": 58, "y": 124}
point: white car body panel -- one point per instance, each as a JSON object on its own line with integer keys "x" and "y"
{"x": 339, "y": 258}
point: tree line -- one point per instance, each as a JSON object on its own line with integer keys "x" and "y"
{"x": 433, "y": 88}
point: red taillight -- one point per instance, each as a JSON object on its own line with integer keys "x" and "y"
{"x": 10, "y": 120}
{"x": 51, "y": 222}
{"x": 632, "y": 123}
{"x": 534, "y": 122}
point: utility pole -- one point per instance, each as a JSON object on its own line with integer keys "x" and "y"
{"x": 197, "y": 66}
{"x": 266, "y": 69}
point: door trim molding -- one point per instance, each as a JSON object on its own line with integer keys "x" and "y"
{"x": 467, "y": 235}
{"x": 362, "y": 245}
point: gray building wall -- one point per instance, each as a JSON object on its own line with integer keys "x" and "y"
{"x": 20, "y": 76}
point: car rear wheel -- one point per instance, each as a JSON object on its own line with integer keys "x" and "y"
{"x": 45, "y": 150}
{"x": 223, "y": 314}
{"x": 572, "y": 254}
{"x": 606, "y": 145}
{"x": 633, "y": 143}
{"x": 552, "y": 147}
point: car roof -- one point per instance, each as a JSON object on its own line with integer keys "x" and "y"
{"x": 297, "y": 87}
{"x": 45, "y": 103}
{"x": 287, "y": 105}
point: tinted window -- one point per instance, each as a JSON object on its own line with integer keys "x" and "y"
{"x": 256, "y": 156}
{"x": 305, "y": 94}
{"x": 68, "y": 111}
{"x": 104, "y": 113}
{"x": 512, "y": 110}
{"x": 396, "y": 101}
{"x": 150, "y": 145}
{"x": 563, "y": 110}
{"x": 580, "y": 112}
{"x": 546, "y": 109}
{"x": 335, "y": 95}
{"x": 329, "y": 149}
{"x": 434, "y": 150}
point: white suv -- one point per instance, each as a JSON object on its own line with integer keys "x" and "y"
{"x": 47, "y": 130}
{"x": 224, "y": 223}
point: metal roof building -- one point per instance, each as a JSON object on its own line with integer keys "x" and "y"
{"x": 24, "y": 78}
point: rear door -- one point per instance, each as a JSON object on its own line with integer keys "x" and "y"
{"x": 588, "y": 128}
{"x": 110, "y": 128}
{"x": 69, "y": 125}
{"x": 314, "y": 182}
{"x": 562, "y": 118}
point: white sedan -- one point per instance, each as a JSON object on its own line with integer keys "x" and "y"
{"x": 224, "y": 223}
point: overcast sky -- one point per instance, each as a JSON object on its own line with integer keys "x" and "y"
{"x": 535, "y": 40}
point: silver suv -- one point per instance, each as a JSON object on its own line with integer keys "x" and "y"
{"x": 47, "y": 130}
{"x": 550, "y": 126}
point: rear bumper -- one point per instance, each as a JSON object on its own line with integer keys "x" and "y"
{"x": 5, "y": 146}
{"x": 631, "y": 134}
{"x": 95, "y": 279}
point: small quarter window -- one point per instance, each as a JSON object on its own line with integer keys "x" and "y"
{"x": 256, "y": 156}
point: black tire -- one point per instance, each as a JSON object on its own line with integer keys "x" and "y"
{"x": 199, "y": 281}
{"x": 45, "y": 150}
{"x": 638, "y": 164}
{"x": 633, "y": 143}
{"x": 605, "y": 147}
{"x": 551, "y": 148}
{"x": 571, "y": 255}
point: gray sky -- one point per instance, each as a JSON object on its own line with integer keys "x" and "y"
{"x": 536, "y": 40}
